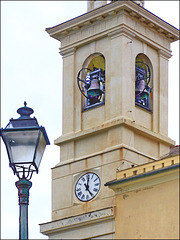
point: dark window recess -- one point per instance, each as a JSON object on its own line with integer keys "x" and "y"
{"x": 91, "y": 81}
{"x": 143, "y": 92}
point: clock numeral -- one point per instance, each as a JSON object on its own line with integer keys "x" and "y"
{"x": 80, "y": 184}
{"x": 96, "y": 184}
{"x": 87, "y": 197}
{"x": 79, "y": 194}
{"x": 87, "y": 176}
{"x": 83, "y": 179}
{"x": 95, "y": 190}
{"x": 92, "y": 176}
{"x": 78, "y": 189}
{"x": 96, "y": 179}
{"x": 83, "y": 196}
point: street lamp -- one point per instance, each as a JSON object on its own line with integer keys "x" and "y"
{"x": 25, "y": 142}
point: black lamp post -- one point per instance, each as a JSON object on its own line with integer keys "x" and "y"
{"x": 25, "y": 142}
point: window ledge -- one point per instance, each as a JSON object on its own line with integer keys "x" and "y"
{"x": 144, "y": 108}
{"x": 93, "y": 106}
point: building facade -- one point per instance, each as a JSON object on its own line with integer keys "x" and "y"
{"x": 147, "y": 200}
{"x": 115, "y": 97}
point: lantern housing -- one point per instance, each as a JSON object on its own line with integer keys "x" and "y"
{"x": 25, "y": 142}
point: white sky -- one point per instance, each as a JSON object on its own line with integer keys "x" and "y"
{"x": 31, "y": 70}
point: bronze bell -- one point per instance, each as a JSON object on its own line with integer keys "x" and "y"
{"x": 94, "y": 84}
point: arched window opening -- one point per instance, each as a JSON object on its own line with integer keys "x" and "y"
{"x": 91, "y": 81}
{"x": 143, "y": 82}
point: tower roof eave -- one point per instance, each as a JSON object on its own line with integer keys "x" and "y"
{"x": 139, "y": 13}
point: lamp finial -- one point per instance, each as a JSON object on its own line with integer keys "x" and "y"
{"x": 25, "y": 111}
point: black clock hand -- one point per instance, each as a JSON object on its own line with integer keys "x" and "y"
{"x": 88, "y": 180}
{"x": 87, "y": 189}
{"x": 90, "y": 192}
{"x": 87, "y": 185}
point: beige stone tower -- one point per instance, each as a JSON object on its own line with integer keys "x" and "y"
{"x": 95, "y": 4}
{"x": 119, "y": 51}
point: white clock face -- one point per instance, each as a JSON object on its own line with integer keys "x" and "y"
{"x": 87, "y": 186}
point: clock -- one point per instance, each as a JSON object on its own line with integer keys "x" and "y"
{"x": 87, "y": 186}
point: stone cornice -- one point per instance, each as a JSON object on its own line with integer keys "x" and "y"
{"x": 135, "y": 11}
{"x": 121, "y": 31}
{"x": 77, "y": 221}
{"x": 164, "y": 54}
{"x": 110, "y": 124}
{"x": 117, "y": 31}
{"x": 106, "y": 150}
{"x": 68, "y": 52}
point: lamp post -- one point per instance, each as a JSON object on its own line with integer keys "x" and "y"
{"x": 25, "y": 142}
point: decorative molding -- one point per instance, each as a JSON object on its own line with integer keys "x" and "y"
{"x": 116, "y": 32}
{"x": 99, "y": 15}
{"x": 151, "y": 25}
{"x": 112, "y": 13}
{"x": 122, "y": 31}
{"x": 151, "y": 42}
{"x": 75, "y": 28}
{"x": 164, "y": 54}
{"x": 142, "y": 19}
{"x": 100, "y": 18}
{"x": 107, "y": 150}
{"x": 78, "y": 221}
{"x": 67, "y": 52}
{"x": 65, "y": 32}
{"x": 87, "y": 23}
{"x": 140, "y": 14}
{"x": 160, "y": 30}
{"x": 133, "y": 14}
{"x": 111, "y": 124}
{"x": 23, "y": 186}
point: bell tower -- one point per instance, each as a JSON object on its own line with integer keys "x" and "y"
{"x": 115, "y": 98}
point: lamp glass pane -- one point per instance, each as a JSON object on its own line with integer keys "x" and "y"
{"x": 21, "y": 146}
{"x": 40, "y": 150}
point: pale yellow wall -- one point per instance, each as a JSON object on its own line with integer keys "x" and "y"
{"x": 68, "y": 94}
{"x": 149, "y": 213}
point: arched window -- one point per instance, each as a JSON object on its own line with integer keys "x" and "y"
{"x": 143, "y": 82}
{"x": 91, "y": 80}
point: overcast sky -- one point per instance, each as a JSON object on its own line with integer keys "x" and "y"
{"x": 31, "y": 70}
